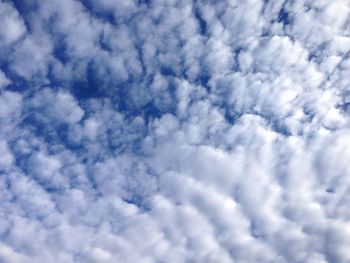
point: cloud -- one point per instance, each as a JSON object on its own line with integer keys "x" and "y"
{"x": 56, "y": 107}
{"x": 186, "y": 131}
{"x": 3, "y": 80}
{"x": 12, "y": 25}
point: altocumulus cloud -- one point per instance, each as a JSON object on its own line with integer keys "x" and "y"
{"x": 175, "y": 131}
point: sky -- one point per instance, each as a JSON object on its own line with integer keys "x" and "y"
{"x": 175, "y": 131}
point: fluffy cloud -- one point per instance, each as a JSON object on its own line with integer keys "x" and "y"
{"x": 174, "y": 131}
{"x": 12, "y": 25}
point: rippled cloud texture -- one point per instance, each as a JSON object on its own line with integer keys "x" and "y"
{"x": 163, "y": 131}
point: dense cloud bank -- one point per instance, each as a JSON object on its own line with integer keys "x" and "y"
{"x": 175, "y": 131}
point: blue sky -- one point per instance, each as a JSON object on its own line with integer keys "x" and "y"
{"x": 174, "y": 131}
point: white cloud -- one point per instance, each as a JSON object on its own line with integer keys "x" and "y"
{"x": 162, "y": 131}
{"x": 56, "y": 107}
{"x": 7, "y": 158}
{"x": 12, "y": 26}
{"x": 3, "y": 80}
